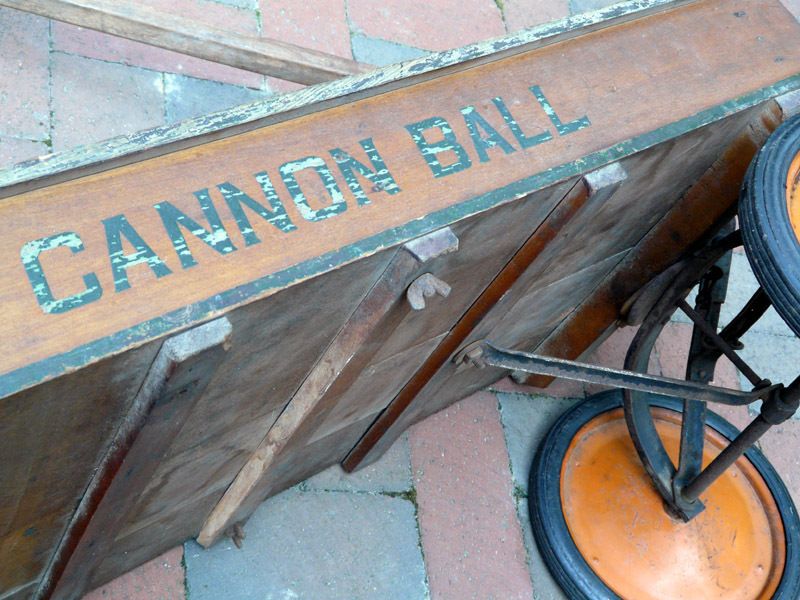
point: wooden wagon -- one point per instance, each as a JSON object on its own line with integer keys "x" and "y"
{"x": 199, "y": 316}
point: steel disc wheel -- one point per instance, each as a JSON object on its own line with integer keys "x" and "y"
{"x": 604, "y": 533}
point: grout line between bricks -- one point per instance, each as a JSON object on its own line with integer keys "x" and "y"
{"x": 50, "y": 110}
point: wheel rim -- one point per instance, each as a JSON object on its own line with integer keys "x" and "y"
{"x": 568, "y": 566}
{"x": 734, "y": 549}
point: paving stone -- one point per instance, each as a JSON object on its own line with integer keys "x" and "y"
{"x": 391, "y": 473}
{"x": 544, "y": 586}
{"x": 741, "y": 287}
{"x": 14, "y": 150}
{"x": 328, "y": 545}
{"x": 187, "y": 97}
{"x": 780, "y": 444}
{"x": 793, "y": 6}
{"x": 85, "y": 42}
{"x": 316, "y": 25}
{"x": 526, "y": 420}
{"x": 160, "y": 579}
{"x": 95, "y": 100}
{"x": 470, "y": 533}
{"x": 24, "y": 75}
{"x": 775, "y": 357}
{"x": 580, "y": 6}
{"x": 430, "y": 25}
{"x": 381, "y": 53}
{"x": 521, "y": 14}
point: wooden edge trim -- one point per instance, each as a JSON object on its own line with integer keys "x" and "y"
{"x": 163, "y": 30}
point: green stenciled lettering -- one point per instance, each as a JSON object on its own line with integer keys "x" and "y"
{"x": 562, "y": 128}
{"x": 173, "y": 219}
{"x": 490, "y": 138}
{"x": 289, "y": 172}
{"x": 116, "y": 228}
{"x": 30, "y": 253}
{"x": 379, "y": 175}
{"x": 274, "y": 215}
{"x": 431, "y": 151}
{"x": 525, "y": 141}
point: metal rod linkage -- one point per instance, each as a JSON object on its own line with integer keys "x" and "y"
{"x": 654, "y": 384}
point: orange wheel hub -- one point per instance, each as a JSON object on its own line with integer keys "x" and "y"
{"x": 734, "y": 549}
{"x": 793, "y": 195}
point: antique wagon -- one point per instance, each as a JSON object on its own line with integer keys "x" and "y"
{"x": 200, "y": 316}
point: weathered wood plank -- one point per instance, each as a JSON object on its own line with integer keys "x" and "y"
{"x": 51, "y": 438}
{"x": 371, "y": 324}
{"x": 564, "y": 263}
{"x": 143, "y": 24}
{"x": 274, "y": 344}
{"x": 67, "y": 282}
{"x": 177, "y": 378}
{"x": 706, "y": 205}
{"x": 332, "y": 423}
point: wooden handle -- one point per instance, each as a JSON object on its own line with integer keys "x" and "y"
{"x": 133, "y": 22}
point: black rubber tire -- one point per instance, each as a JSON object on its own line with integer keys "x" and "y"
{"x": 560, "y": 553}
{"x": 770, "y": 243}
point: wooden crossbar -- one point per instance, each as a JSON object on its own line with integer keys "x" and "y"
{"x": 142, "y": 24}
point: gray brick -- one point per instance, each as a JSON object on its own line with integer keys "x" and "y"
{"x": 392, "y": 473}
{"x": 327, "y": 545}
{"x": 379, "y": 52}
{"x": 580, "y": 6}
{"x": 95, "y": 100}
{"x": 526, "y": 420}
{"x": 544, "y": 586}
{"x": 14, "y": 150}
{"x": 775, "y": 357}
{"x": 190, "y": 97}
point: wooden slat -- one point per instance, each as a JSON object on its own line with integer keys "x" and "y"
{"x": 141, "y": 24}
{"x": 177, "y": 378}
{"x": 371, "y": 324}
{"x": 51, "y": 438}
{"x": 570, "y": 204}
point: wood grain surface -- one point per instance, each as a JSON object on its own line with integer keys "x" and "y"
{"x": 285, "y": 229}
{"x": 596, "y": 93}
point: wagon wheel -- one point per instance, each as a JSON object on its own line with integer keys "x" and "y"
{"x": 721, "y": 528}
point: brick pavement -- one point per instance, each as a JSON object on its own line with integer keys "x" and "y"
{"x": 438, "y": 516}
